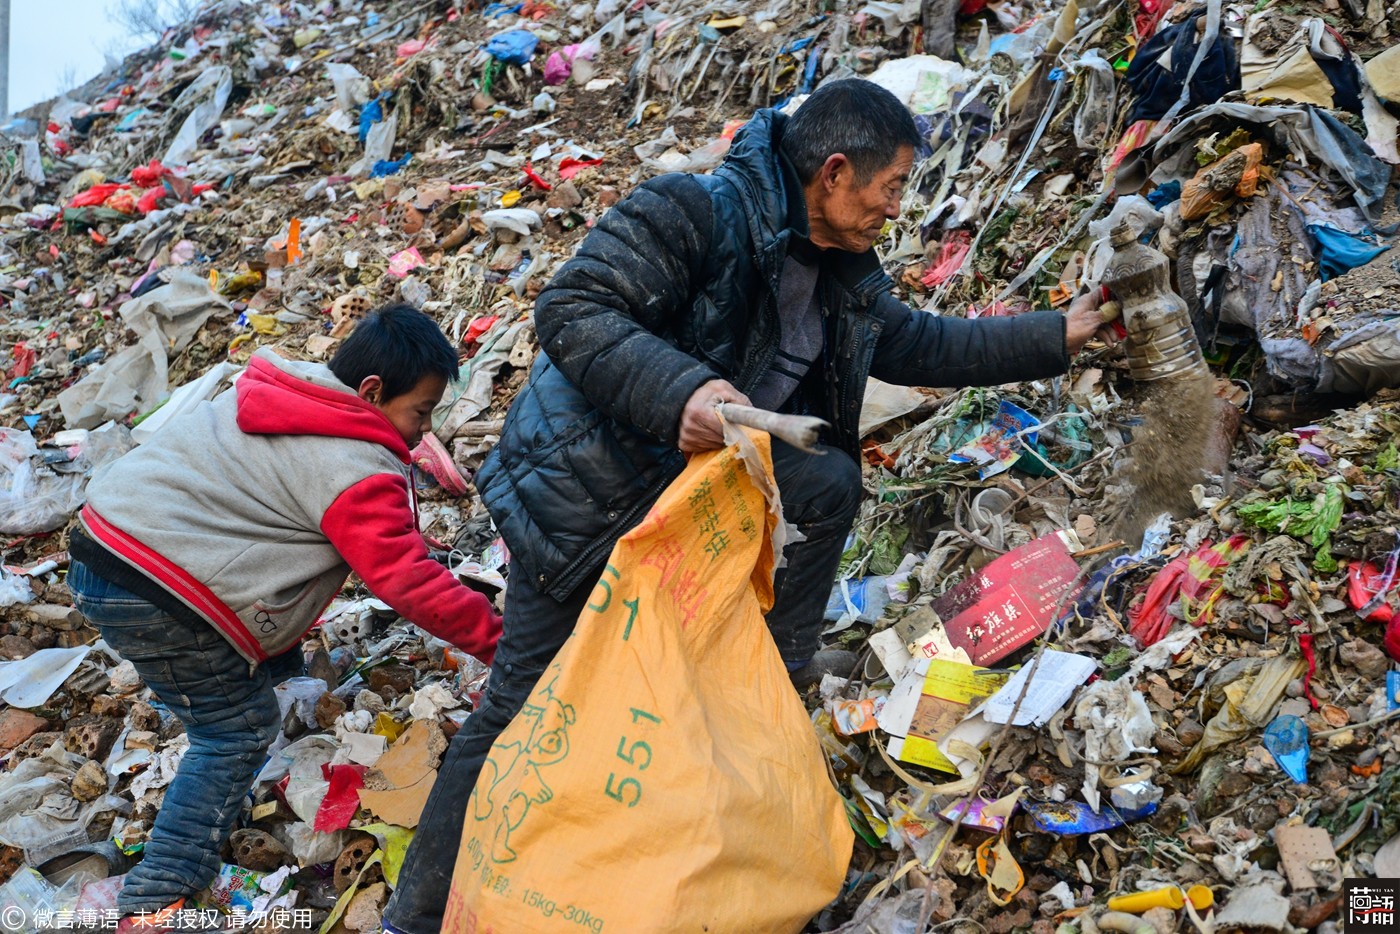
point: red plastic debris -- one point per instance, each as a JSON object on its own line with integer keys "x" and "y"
{"x": 950, "y": 258}
{"x": 95, "y": 196}
{"x": 570, "y": 166}
{"x": 342, "y": 798}
{"x": 535, "y": 179}
{"x": 148, "y": 175}
{"x": 478, "y": 327}
{"x": 24, "y": 357}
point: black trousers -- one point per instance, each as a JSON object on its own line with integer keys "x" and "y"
{"x": 820, "y": 495}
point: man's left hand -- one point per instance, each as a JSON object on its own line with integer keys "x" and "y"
{"x": 1084, "y": 320}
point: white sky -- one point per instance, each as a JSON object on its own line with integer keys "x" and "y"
{"x": 48, "y": 35}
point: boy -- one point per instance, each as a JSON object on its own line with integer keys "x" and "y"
{"x": 205, "y": 554}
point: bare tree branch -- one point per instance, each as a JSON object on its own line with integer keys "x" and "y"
{"x": 151, "y": 17}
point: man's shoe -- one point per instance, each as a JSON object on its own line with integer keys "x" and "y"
{"x": 838, "y": 662}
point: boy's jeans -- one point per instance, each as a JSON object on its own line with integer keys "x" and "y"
{"x": 229, "y": 717}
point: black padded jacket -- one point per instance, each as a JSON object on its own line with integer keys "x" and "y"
{"x": 673, "y": 288}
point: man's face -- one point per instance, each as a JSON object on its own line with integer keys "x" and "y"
{"x": 850, "y": 216}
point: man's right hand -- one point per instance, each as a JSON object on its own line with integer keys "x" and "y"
{"x": 700, "y": 428}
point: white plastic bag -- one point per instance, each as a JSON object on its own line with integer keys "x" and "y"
{"x": 33, "y": 498}
{"x": 211, "y": 89}
{"x": 1092, "y": 119}
{"x": 351, "y": 88}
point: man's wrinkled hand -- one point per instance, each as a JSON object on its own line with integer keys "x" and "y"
{"x": 700, "y": 428}
{"x": 1084, "y": 320}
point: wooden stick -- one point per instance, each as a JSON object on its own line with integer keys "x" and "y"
{"x": 1098, "y": 549}
{"x": 800, "y": 431}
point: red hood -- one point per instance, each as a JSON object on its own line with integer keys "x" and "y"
{"x": 281, "y": 397}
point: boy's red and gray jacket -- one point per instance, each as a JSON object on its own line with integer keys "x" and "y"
{"x": 253, "y": 509}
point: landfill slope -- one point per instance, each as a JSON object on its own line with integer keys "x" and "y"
{"x": 1213, "y": 706}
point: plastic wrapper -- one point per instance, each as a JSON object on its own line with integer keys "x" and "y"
{"x": 1076, "y": 817}
{"x": 235, "y": 887}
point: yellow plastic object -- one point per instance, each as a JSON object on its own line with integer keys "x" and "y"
{"x": 509, "y": 199}
{"x": 1169, "y": 896}
{"x": 387, "y": 727}
{"x": 637, "y": 727}
{"x": 267, "y": 324}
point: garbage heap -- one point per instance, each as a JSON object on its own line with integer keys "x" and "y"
{"x": 1104, "y": 669}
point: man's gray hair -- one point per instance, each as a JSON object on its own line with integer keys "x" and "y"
{"x": 854, "y": 117}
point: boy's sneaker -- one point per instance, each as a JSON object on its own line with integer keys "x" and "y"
{"x": 152, "y": 922}
{"x": 432, "y": 457}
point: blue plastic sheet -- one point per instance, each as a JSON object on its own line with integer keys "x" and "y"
{"x": 1339, "y": 251}
{"x": 1165, "y": 194}
{"x": 515, "y": 47}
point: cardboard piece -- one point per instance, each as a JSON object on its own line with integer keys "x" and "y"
{"x": 926, "y": 637}
{"x": 1012, "y": 601}
{"x": 398, "y": 788}
{"x": 1383, "y": 72}
{"x": 892, "y": 652}
{"x": 945, "y": 692}
{"x": 1304, "y": 850}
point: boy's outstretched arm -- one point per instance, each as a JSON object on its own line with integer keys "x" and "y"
{"x": 371, "y": 525}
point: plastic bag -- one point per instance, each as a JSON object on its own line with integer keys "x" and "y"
{"x": 379, "y": 145}
{"x": 214, "y": 85}
{"x": 1092, "y": 119}
{"x": 668, "y": 707}
{"x": 351, "y": 88}
{"x": 165, "y": 320}
{"x": 515, "y": 47}
{"x": 33, "y": 498}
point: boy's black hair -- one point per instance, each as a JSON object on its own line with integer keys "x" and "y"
{"x": 852, "y": 116}
{"x": 400, "y": 345}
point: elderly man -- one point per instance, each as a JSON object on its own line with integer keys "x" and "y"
{"x": 757, "y": 285}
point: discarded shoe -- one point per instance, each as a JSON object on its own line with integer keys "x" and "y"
{"x": 432, "y": 457}
{"x": 837, "y": 662}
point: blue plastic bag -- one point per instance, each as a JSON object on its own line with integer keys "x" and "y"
{"x": 386, "y": 167}
{"x": 371, "y": 113}
{"x": 515, "y": 47}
